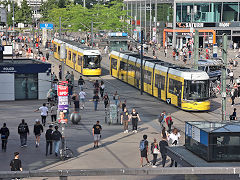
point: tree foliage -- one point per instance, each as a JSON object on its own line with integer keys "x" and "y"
{"x": 75, "y": 17}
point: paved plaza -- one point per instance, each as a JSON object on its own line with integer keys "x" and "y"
{"x": 117, "y": 150}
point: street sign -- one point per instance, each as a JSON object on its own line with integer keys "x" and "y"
{"x": 168, "y": 100}
{"x": 46, "y": 25}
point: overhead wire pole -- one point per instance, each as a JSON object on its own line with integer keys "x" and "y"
{"x": 155, "y": 23}
{"x": 131, "y": 20}
{"x": 13, "y": 15}
{"x": 141, "y": 54}
{"x": 91, "y": 33}
{"x": 145, "y": 19}
{"x": 196, "y": 45}
{"x": 150, "y": 20}
{"x": 224, "y": 55}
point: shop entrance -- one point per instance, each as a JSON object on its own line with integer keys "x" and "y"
{"x": 26, "y": 86}
{"x": 236, "y": 39}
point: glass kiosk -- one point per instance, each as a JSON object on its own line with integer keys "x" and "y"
{"x": 213, "y": 141}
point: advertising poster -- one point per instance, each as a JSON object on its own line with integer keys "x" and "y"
{"x": 62, "y": 96}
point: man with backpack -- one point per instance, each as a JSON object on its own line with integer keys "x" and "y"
{"x": 143, "y": 147}
{"x": 49, "y": 139}
{"x": 23, "y": 131}
{"x": 4, "y": 131}
{"x": 16, "y": 164}
{"x": 56, "y": 136}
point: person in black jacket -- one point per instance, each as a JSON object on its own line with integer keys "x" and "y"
{"x": 4, "y": 131}
{"x": 49, "y": 139}
{"x": 23, "y": 131}
{"x": 37, "y": 130}
{"x": 163, "y": 150}
{"x": 56, "y": 136}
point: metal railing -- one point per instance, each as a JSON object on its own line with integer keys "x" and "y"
{"x": 64, "y": 174}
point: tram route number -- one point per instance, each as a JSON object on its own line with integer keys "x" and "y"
{"x": 168, "y": 100}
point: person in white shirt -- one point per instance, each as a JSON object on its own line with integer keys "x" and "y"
{"x": 173, "y": 138}
{"x": 44, "y": 113}
{"x": 82, "y": 96}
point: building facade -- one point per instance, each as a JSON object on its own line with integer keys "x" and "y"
{"x": 212, "y": 19}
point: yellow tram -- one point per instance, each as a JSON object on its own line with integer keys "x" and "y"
{"x": 79, "y": 57}
{"x": 183, "y": 87}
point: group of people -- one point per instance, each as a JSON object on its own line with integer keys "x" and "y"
{"x": 156, "y": 148}
{"x": 51, "y": 137}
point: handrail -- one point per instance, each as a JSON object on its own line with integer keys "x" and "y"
{"x": 63, "y": 174}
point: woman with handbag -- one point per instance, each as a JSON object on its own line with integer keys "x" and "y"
{"x": 155, "y": 152}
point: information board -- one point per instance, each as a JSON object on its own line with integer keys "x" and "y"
{"x": 62, "y": 95}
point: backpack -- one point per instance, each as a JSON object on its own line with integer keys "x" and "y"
{"x": 55, "y": 136}
{"x": 22, "y": 128}
{"x": 142, "y": 145}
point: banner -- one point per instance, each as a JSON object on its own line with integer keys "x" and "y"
{"x": 62, "y": 95}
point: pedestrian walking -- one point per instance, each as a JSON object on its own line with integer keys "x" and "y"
{"x": 47, "y": 55}
{"x": 125, "y": 118}
{"x": 233, "y": 96}
{"x": 49, "y": 139}
{"x": 44, "y": 113}
{"x": 163, "y": 150}
{"x": 177, "y": 54}
{"x": 155, "y": 152}
{"x": 81, "y": 82}
{"x": 4, "y": 131}
{"x": 161, "y": 119}
{"x": 231, "y": 75}
{"x": 82, "y": 96}
{"x": 234, "y": 115}
{"x": 95, "y": 101}
{"x": 143, "y": 147}
{"x": 68, "y": 76}
{"x": 174, "y": 54}
{"x": 53, "y": 113}
{"x": 23, "y": 131}
{"x": 16, "y": 163}
{"x": 189, "y": 54}
{"x": 124, "y": 104}
{"x": 106, "y": 100}
{"x": 37, "y": 130}
{"x": 75, "y": 99}
{"x": 165, "y": 51}
{"x": 60, "y": 72}
{"x": 97, "y": 128}
{"x": 116, "y": 98}
{"x": 135, "y": 118}
{"x": 72, "y": 78}
{"x": 238, "y": 84}
{"x": 56, "y": 136}
{"x": 169, "y": 122}
{"x": 102, "y": 88}
{"x": 96, "y": 87}
{"x": 174, "y": 139}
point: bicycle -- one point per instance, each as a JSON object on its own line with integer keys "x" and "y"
{"x": 64, "y": 151}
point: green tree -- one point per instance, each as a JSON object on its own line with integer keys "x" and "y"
{"x": 46, "y": 7}
{"x": 24, "y": 15}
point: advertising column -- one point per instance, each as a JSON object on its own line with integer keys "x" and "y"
{"x": 62, "y": 96}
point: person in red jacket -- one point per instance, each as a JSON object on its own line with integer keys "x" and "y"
{"x": 169, "y": 122}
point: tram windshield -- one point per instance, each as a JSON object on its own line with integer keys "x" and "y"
{"x": 197, "y": 90}
{"x": 92, "y": 61}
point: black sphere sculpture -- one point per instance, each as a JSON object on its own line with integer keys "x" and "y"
{"x": 75, "y": 117}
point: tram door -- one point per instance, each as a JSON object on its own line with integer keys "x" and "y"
{"x": 179, "y": 94}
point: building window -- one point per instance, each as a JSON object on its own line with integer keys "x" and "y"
{"x": 178, "y": 12}
{"x": 203, "y": 14}
{"x": 26, "y": 86}
{"x": 216, "y": 11}
{"x": 230, "y": 11}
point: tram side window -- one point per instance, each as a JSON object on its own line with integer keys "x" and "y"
{"x": 114, "y": 63}
{"x": 58, "y": 48}
{"x": 147, "y": 76}
{"x": 174, "y": 86}
{"x": 123, "y": 66}
{"x": 69, "y": 55}
{"x": 159, "y": 81}
{"x": 137, "y": 73}
{"x": 131, "y": 67}
{"x": 54, "y": 48}
{"x": 74, "y": 57}
{"x": 79, "y": 60}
